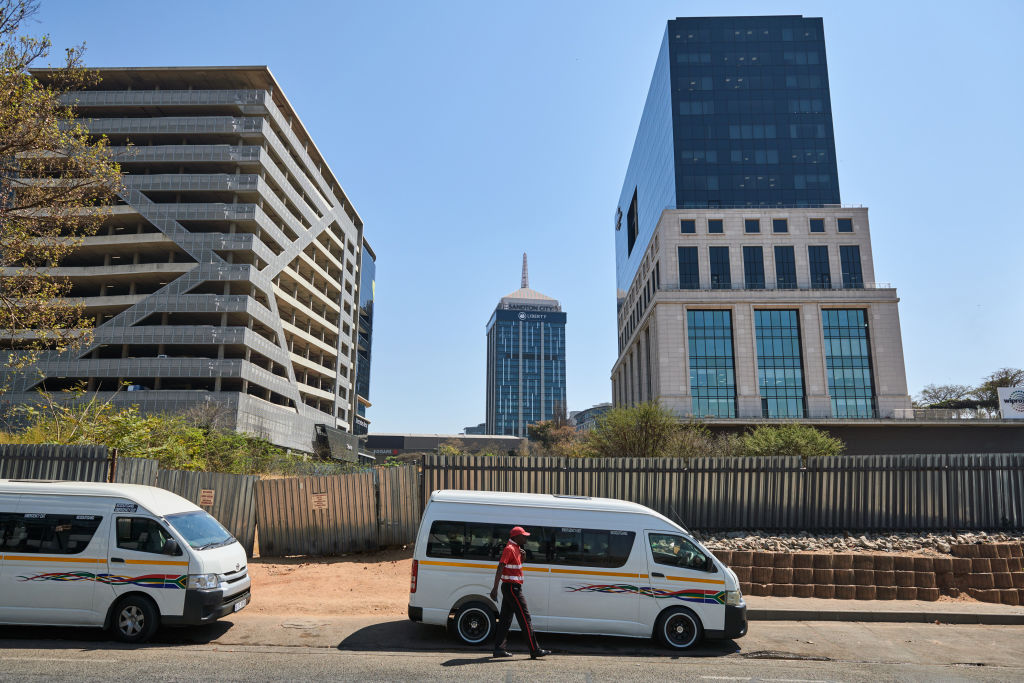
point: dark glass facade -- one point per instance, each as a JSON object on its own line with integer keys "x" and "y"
{"x": 689, "y": 273}
{"x": 848, "y": 361}
{"x": 721, "y": 277}
{"x": 849, "y": 259}
{"x": 367, "y": 292}
{"x": 785, "y": 267}
{"x": 753, "y": 267}
{"x": 738, "y": 115}
{"x": 526, "y": 369}
{"x": 779, "y": 368}
{"x": 712, "y": 370}
{"x": 821, "y": 275}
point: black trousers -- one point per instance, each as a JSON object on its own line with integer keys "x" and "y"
{"x": 513, "y": 603}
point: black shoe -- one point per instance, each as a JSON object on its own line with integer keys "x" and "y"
{"x": 502, "y": 653}
{"x": 539, "y": 653}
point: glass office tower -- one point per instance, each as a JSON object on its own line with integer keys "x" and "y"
{"x": 525, "y": 361}
{"x": 367, "y": 293}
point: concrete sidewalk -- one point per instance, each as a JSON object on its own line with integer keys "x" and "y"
{"x": 907, "y": 611}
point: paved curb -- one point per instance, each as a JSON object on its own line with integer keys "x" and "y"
{"x": 989, "y": 619}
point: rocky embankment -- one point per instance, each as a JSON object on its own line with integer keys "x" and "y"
{"x": 931, "y": 543}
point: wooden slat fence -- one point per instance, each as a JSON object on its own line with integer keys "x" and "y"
{"x": 846, "y": 493}
{"x": 54, "y": 461}
{"x": 234, "y": 500}
{"x": 399, "y": 505}
{"x": 136, "y": 471}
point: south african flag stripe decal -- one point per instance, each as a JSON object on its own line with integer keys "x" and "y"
{"x": 688, "y": 595}
{"x": 172, "y": 581}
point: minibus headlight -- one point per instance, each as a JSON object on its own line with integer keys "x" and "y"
{"x": 201, "y": 581}
{"x": 733, "y": 598}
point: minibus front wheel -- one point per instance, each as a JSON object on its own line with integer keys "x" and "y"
{"x": 473, "y": 623}
{"x": 679, "y": 628}
{"x": 135, "y": 619}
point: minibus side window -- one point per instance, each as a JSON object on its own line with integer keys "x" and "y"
{"x": 447, "y": 539}
{"x": 590, "y": 547}
{"x": 141, "y": 534}
{"x": 677, "y": 551}
{"x": 486, "y": 541}
{"x": 41, "y": 533}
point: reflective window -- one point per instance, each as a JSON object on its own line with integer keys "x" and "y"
{"x": 785, "y": 267}
{"x": 780, "y": 225}
{"x": 753, "y": 268}
{"x": 712, "y": 372}
{"x": 817, "y": 225}
{"x": 687, "y": 226}
{"x": 60, "y": 534}
{"x": 689, "y": 273}
{"x": 821, "y": 277}
{"x": 141, "y": 534}
{"x": 751, "y": 225}
{"x": 779, "y": 365}
{"x": 849, "y": 259}
{"x": 674, "y": 550}
{"x": 720, "y": 275}
{"x": 844, "y": 224}
{"x": 715, "y": 226}
{"x": 848, "y": 362}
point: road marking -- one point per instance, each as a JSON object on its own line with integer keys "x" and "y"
{"x": 766, "y": 680}
{"x": 56, "y": 659}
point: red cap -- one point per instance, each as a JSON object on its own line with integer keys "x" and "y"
{"x": 517, "y": 531}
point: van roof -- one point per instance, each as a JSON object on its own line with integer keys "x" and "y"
{"x": 156, "y": 500}
{"x": 547, "y": 500}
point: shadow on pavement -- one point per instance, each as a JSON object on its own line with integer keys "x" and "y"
{"x": 411, "y": 636}
{"x": 56, "y": 637}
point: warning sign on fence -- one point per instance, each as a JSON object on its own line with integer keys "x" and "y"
{"x": 205, "y": 497}
{"x": 319, "y": 501}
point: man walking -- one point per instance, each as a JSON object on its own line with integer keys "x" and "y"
{"x": 510, "y": 574}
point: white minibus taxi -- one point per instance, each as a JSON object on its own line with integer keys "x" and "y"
{"x": 118, "y": 556}
{"x": 592, "y": 565}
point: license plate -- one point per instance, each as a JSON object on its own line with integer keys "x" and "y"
{"x": 241, "y": 603}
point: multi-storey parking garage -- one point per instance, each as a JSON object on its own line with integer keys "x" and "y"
{"x": 229, "y": 270}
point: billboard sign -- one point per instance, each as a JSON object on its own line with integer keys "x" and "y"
{"x": 1011, "y": 402}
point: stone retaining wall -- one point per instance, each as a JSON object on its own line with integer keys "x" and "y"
{"x": 987, "y": 572}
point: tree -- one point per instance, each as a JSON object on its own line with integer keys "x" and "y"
{"x": 986, "y": 393}
{"x": 640, "y": 431}
{"x": 553, "y": 438}
{"x": 55, "y": 182}
{"x": 934, "y": 395}
{"x": 790, "y": 439}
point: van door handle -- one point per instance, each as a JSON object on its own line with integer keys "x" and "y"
{"x": 116, "y": 559}
{"x": 658, "y": 574}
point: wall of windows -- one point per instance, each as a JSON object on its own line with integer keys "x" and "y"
{"x": 753, "y": 267}
{"x": 721, "y": 277}
{"x": 785, "y": 268}
{"x": 779, "y": 368}
{"x": 712, "y": 370}
{"x": 689, "y": 271}
{"x": 849, "y": 257}
{"x": 821, "y": 276}
{"x": 848, "y": 361}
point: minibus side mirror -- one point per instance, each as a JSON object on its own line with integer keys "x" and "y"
{"x": 171, "y": 547}
{"x": 709, "y": 565}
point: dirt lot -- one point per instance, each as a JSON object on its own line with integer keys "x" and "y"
{"x": 359, "y": 584}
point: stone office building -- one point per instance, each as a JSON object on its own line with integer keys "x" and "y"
{"x": 745, "y": 288}
{"x": 230, "y": 271}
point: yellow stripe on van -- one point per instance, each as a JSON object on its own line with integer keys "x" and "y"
{"x": 687, "y": 578}
{"x": 535, "y": 569}
{"x": 470, "y": 565}
{"x": 172, "y": 563}
{"x": 42, "y": 558}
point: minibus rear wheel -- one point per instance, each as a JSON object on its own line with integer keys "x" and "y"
{"x": 135, "y": 619}
{"x": 474, "y": 623}
{"x": 679, "y": 628}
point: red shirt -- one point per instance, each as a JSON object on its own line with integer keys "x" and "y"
{"x": 512, "y": 558}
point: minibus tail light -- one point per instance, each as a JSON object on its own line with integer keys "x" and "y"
{"x": 415, "y": 573}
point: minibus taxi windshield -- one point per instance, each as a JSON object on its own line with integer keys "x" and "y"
{"x": 200, "y": 530}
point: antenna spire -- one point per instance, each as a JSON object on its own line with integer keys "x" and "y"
{"x": 526, "y": 273}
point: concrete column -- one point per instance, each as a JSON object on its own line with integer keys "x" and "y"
{"x": 890, "y": 377}
{"x": 744, "y": 352}
{"x": 812, "y": 348}
{"x": 671, "y": 364}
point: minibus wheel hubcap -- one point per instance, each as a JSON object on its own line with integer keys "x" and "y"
{"x": 131, "y": 620}
{"x": 680, "y": 630}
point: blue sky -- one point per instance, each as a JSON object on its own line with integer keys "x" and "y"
{"x": 466, "y": 133}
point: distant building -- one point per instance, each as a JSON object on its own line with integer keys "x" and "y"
{"x": 367, "y": 292}
{"x": 586, "y": 420}
{"x": 525, "y": 360}
{"x": 479, "y": 429}
{"x": 380, "y": 446}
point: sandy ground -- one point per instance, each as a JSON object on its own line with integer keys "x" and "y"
{"x": 358, "y": 584}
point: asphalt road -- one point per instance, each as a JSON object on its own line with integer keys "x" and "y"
{"x": 392, "y": 650}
